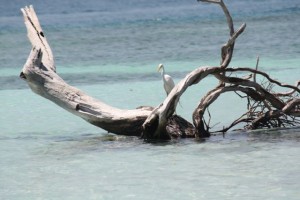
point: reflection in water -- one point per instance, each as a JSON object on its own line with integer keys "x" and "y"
{"x": 82, "y": 144}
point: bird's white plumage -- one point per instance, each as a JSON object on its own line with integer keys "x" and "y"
{"x": 167, "y": 79}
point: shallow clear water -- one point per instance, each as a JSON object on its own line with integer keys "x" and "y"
{"x": 98, "y": 166}
{"x": 110, "y": 49}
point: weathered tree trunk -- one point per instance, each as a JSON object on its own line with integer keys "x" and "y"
{"x": 45, "y": 82}
{"x": 160, "y": 122}
{"x": 39, "y": 72}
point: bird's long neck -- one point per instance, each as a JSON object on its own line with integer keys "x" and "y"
{"x": 162, "y": 71}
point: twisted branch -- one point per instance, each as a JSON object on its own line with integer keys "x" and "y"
{"x": 240, "y": 69}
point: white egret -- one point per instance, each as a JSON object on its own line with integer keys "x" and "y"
{"x": 168, "y": 81}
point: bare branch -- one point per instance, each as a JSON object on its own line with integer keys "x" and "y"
{"x": 266, "y": 76}
{"x": 236, "y": 122}
{"x": 289, "y": 93}
{"x": 209, "y": 98}
{"x": 235, "y": 35}
{"x": 292, "y": 107}
{"x": 276, "y": 102}
{"x": 37, "y": 37}
{"x": 265, "y": 118}
{"x": 226, "y": 12}
{"x": 256, "y": 68}
{"x": 227, "y": 49}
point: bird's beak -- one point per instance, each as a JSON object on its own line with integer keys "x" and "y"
{"x": 159, "y": 67}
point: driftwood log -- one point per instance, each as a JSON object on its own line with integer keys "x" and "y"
{"x": 265, "y": 108}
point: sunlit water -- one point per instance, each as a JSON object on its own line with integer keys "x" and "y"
{"x": 110, "y": 50}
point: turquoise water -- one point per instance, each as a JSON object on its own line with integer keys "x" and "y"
{"x": 110, "y": 50}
